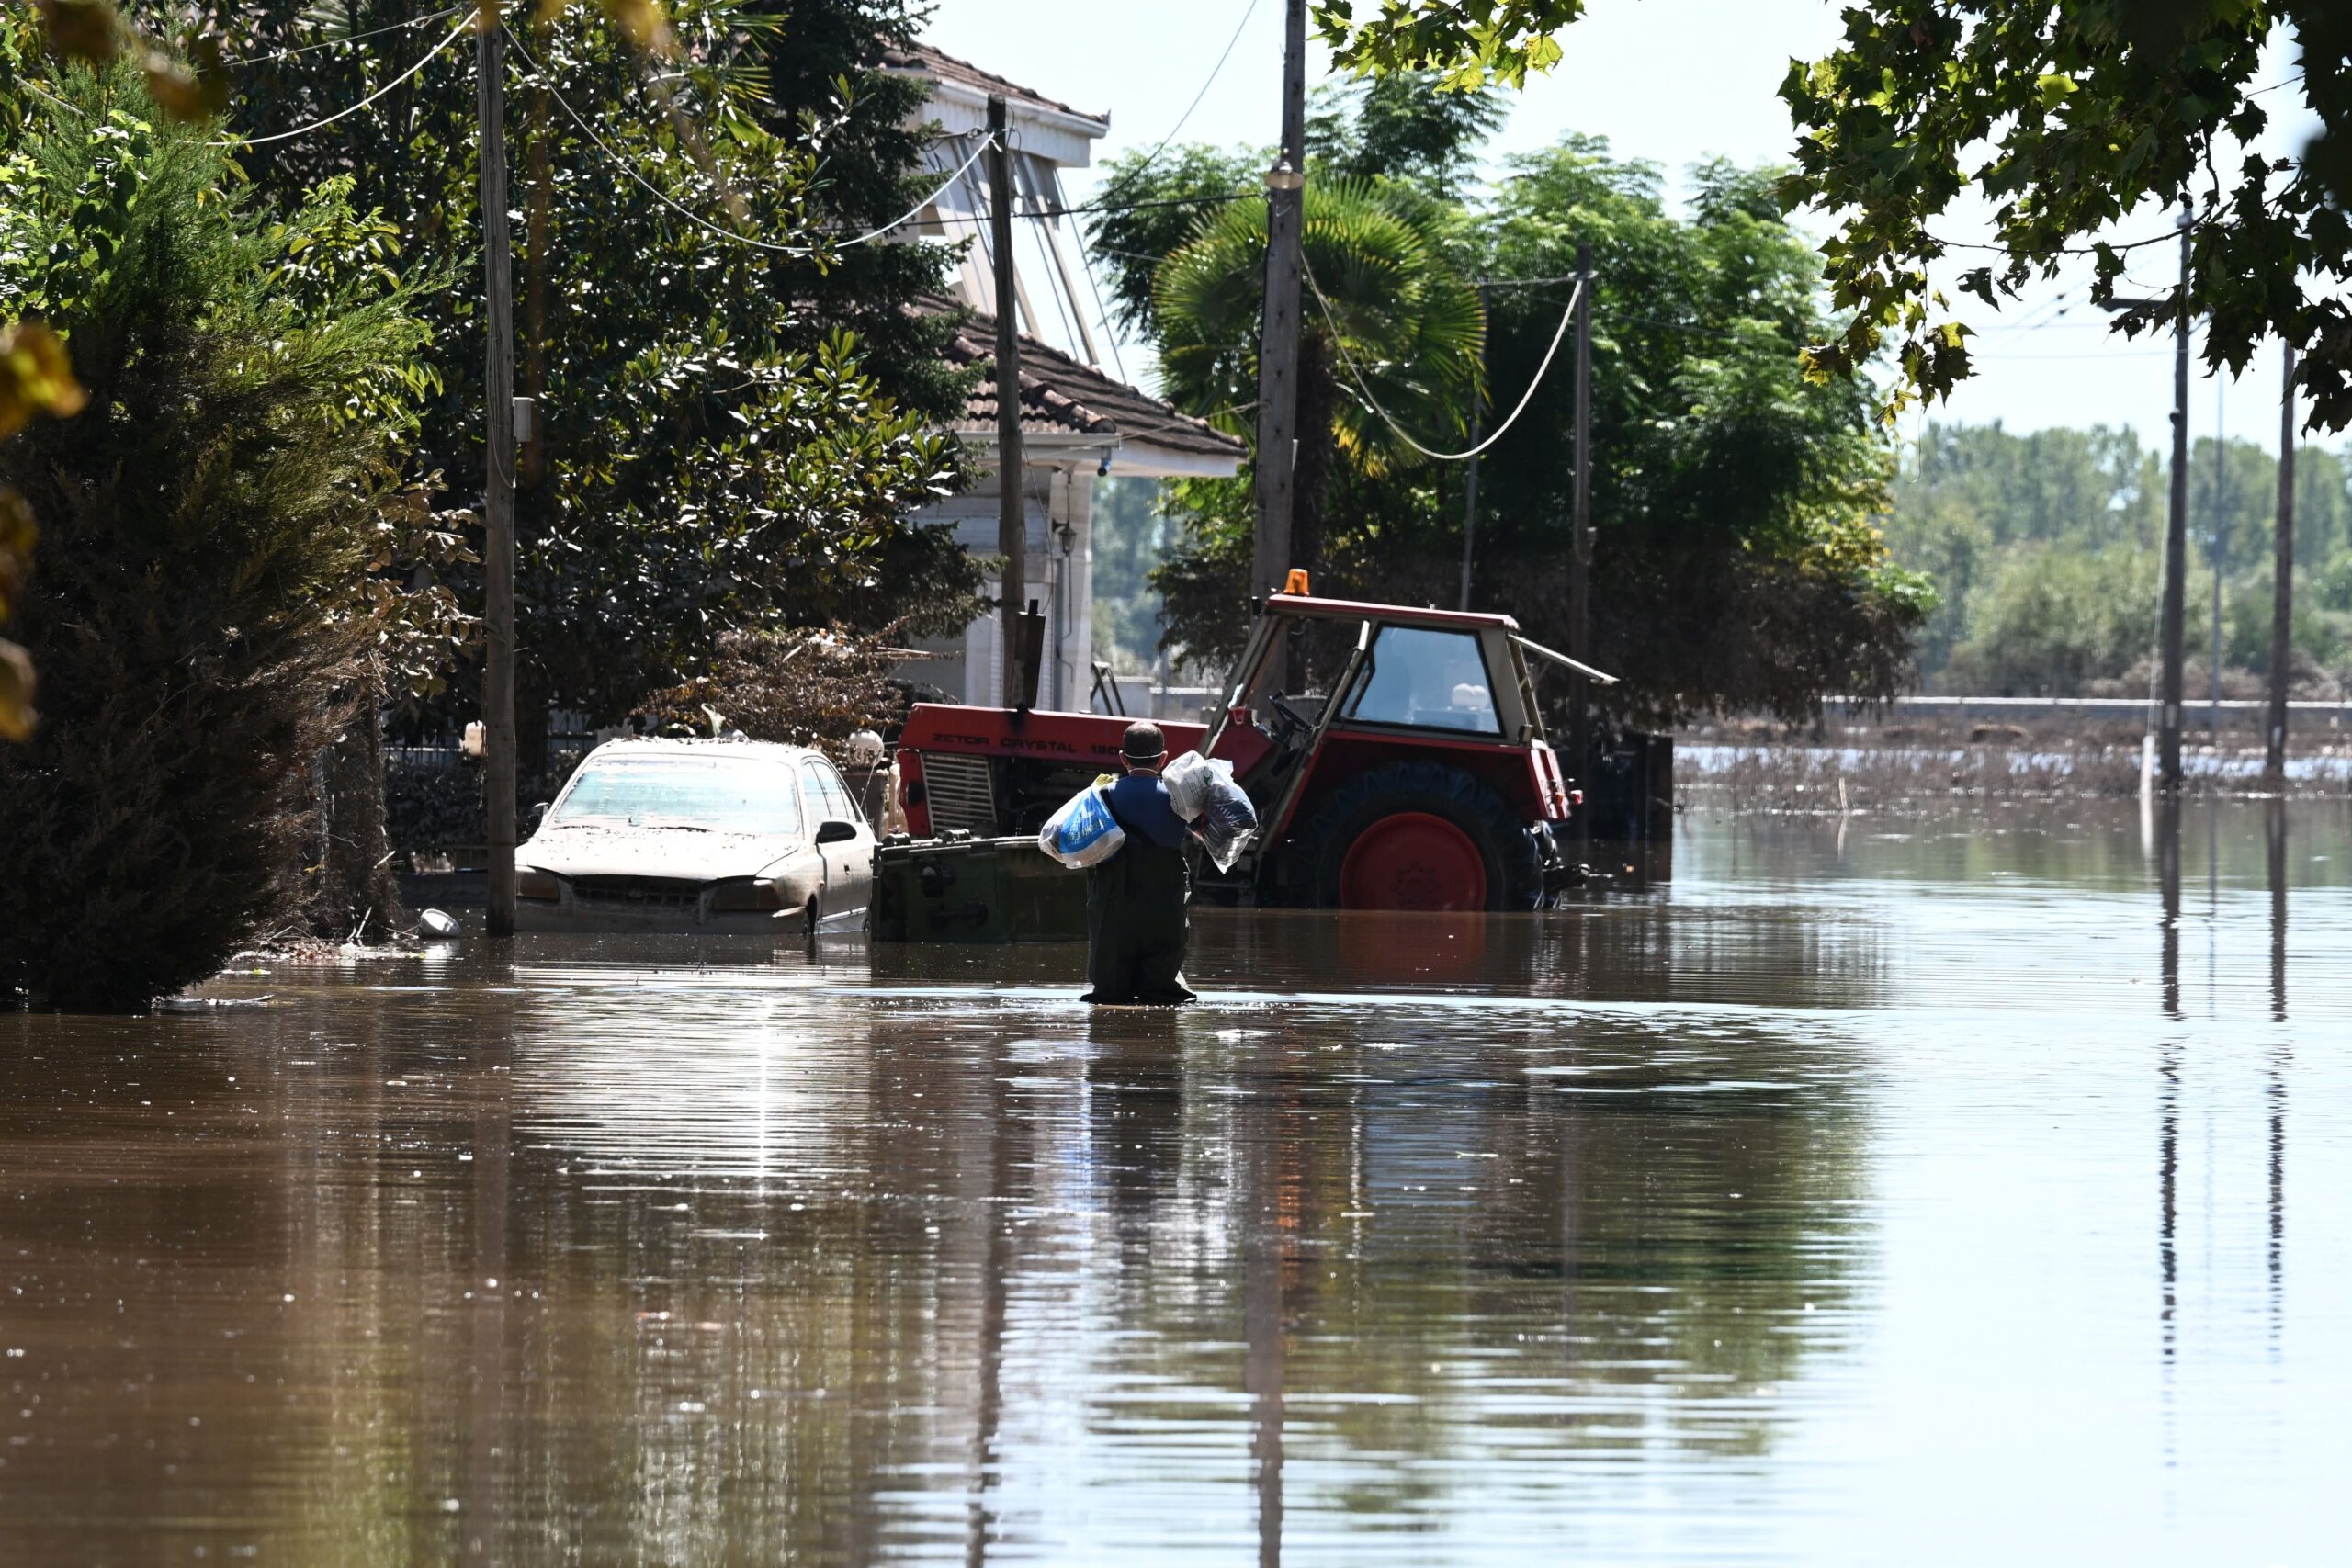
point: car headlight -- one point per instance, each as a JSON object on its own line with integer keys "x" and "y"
{"x": 747, "y": 897}
{"x": 542, "y": 886}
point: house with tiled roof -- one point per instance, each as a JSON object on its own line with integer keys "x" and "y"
{"x": 1082, "y": 419}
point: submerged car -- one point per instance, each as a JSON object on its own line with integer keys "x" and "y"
{"x": 721, "y": 837}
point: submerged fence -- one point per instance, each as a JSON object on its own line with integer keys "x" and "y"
{"x": 433, "y": 794}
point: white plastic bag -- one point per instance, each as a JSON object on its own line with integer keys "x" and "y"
{"x": 1187, "y": 779}
{"x": 1084, "y": 832}
{"x": 1199, "y": 785}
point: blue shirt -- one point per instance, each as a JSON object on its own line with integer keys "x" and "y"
{"x": 1140, "y": 802}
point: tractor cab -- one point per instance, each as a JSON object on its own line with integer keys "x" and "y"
{"x": 1397, "y": 758}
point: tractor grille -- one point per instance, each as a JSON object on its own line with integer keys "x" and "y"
{"x": 961, "y": 792}
{"x": 663, "y": 893}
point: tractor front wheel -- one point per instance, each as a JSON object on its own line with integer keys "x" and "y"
{"x": 1419, "y": 836}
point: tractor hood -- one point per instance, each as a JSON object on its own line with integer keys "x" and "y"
{"x": 1089, "y": 739}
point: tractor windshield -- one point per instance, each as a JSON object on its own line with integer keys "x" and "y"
{"x": 1427, "y": 678}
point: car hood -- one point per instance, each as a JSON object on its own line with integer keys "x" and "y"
{"x": 655, "y": 852}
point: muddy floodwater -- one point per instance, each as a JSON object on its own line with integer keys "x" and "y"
{"x": 1887, "y": 1191}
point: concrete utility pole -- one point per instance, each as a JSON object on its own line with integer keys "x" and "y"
{"x": 1470, "y": 479}
{"x": 1012, "y": 526}
{"x": 1278, "y": 329}
{"x": 2176, "y": 603}
{"x": 498, "y": 490}
{"x": 1580, "y": 538}
{"x": 2282, "y": 585}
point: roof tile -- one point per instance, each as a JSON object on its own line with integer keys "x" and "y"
{"x": 922, "y": 60}
{"x": 1059, "y": 396}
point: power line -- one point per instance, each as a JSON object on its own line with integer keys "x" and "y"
{"x": 627, "y": 166}
{"x": 1340, "y": 341}
{"x": 2081, "y": 355}
{"x": 1205, "y": 199}
{"x": 1153, "y": 156}
{"x": 347, "y": 38}
{"x": 52, "y": 97}
{"x": 916, "y": 211}
{"x": 464, "y": 22}
{"x": 1524, "y": 282}
{"x": 2090, "y": 250}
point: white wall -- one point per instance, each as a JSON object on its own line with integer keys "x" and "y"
{"x": 1060, "y": 578}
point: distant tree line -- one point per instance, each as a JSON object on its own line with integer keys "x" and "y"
{"x": 2046, "y": 550}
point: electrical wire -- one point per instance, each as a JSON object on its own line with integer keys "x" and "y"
{"x": 1205, "y": 199}
{"x": 916, "y": 211}
{"x": 1524, "y": 282}
{"x": 1153, "y": 156}
{"x": 347, "y": 38}
{"x": 2090, "y": 250}
{"x": 1101, "y": 313}
{"x": 52, "y": 97}
{"x": 464, "y": 22}
{"x": 1340, "y": 341}
{"x": 627, "y": 166}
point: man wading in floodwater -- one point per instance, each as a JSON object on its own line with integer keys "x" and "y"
{"x": 1135, "y": 900}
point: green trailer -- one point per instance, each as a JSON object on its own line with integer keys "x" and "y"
{"x": 959, "y": 888}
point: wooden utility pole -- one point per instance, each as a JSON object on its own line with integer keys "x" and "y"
{"x": 2214, "y": 551}
{"x": 2175, "y": 600}
{"x": 1470, "y": 479}
{"x": 498, "y": 490}
{"x": 1012, "y": 525}
{"x": 1278, "y": 328}
{"x": 2282, "y": 583}
{"x": 1580, "y": 540}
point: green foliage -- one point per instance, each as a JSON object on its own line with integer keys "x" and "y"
{"x": 2047, "y": 550}
{"x": 1401, "y": 127}
{"x": 807, "y": 686}
{"x": 1469, "y": 43}
{"x": 207, "y": 516}
{"x": 1161, "y": 201}
{"x": 1383, "y": 314}
{"x": 2066, "y": 117}
{"x": 1130, "y": 534}
{"x": 1388, "y": 323}
{"x": 2056, "y": 618}
{"x": 36, "y": 376}
{"x": 716, "y": 454}
{"x": 1737, "y": 563}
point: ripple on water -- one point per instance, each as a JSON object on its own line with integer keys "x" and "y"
{"x": 1755, "y": 1219}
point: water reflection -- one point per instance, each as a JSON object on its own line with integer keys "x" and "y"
{"x": 1683, "y": 1225}
{"x": 2275, "y": 1092}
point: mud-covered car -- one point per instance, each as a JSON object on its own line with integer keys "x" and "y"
{"x": 723, "y": 837}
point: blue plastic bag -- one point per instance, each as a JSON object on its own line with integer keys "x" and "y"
{"x": 1084, "y": 832}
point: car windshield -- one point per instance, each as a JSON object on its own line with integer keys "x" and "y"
{"x": 716, "y": 794}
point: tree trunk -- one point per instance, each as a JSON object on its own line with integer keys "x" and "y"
{"x": 1319, "y": 395}
{"x": 356, "y": 893}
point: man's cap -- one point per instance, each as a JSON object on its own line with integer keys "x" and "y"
{"x": 1143, "y": 743}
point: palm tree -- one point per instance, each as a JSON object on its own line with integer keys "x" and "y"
{"x": 1384, "y": 320}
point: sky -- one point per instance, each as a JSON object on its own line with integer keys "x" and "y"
{"x": 1670, "y": 81}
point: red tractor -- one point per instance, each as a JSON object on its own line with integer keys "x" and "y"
{"x": 1416, "y": 777}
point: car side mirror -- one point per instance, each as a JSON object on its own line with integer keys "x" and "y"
{"x": 835, "y": 832}
{"x": 539, "y": 814}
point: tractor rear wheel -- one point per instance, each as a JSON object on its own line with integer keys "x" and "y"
{"x": 1419, "y": 836}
